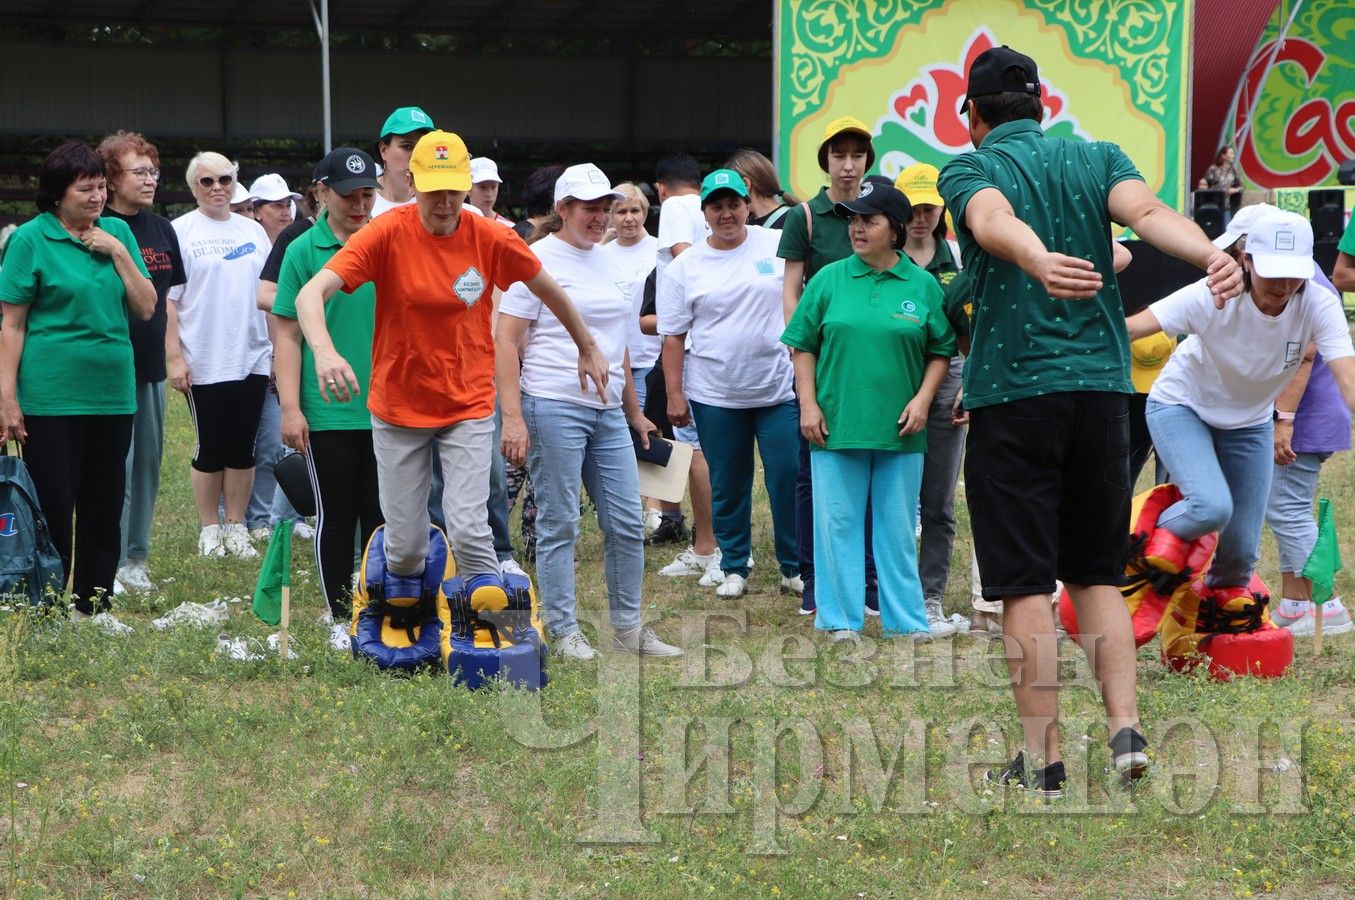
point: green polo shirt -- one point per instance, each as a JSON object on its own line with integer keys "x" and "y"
{"x": 1024, "y": 343}
{"x": 1347, "y": 245}
{"x": 943, "y": 265}
{"x": 959, "y": 302}
{"x": 828, "y": 244}
{"x": 873, "y": 333}
{"x": 351, "y": 319}
{"x": 77, "y": 356}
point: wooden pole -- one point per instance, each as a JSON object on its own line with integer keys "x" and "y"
{"x": 1317, "y": 626}
{"x": 286, "y": 620}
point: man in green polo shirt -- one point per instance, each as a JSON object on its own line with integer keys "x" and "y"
{"x": 1047, "y": 386}
{"x": 1343, "y": 276}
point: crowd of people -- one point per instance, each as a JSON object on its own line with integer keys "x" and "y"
{"x": 434, "y": 361}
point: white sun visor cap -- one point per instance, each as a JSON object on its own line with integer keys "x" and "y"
{"x": 1281, "y": 246}
{"x": 271, "y": 188}
{"x": 585, "y": 182}
{"x": 482, "y": 168}
{"x": 1238, "y": 225}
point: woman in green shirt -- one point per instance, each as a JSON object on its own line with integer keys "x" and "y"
{"x": 871, "y": 339}
{"x": 335, "y": 436}
{"x": 67, "y": 384}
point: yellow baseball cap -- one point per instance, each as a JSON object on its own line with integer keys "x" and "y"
{"x": 1147, "y": 357}
{"x": 440, "y": 162}
{"x": 918, "y": 183}
{"x": 846, "y": 125}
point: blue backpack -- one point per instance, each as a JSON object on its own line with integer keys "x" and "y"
{"x": 30, "y": 567}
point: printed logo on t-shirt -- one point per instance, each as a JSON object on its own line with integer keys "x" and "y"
{"x": 1293, "y": 351}
{"x": 242, "y": 251}
{"x": 766, "y": 267}
{"x": 470, "y": 287}
{"x": 156, "y": 260}
{"x": 908, "y": 311}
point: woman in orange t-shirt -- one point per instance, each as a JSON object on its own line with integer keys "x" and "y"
{"x": 435, "y": 269}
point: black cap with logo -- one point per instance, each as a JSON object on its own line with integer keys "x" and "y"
{"x": 1001, "y": 70}
{"x": 346, "y": 169}
{"x": 878, "y": 198}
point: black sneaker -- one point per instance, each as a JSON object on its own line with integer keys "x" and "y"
{"x": 1129, "y": 750}
{"x": 670, "y": 531}
{"x": 1046, "y": 783}
{"x": 807, "y": 605}
{"x": 872, "y": 597}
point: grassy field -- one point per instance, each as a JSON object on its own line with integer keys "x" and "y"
{"x": 761, "y": 764}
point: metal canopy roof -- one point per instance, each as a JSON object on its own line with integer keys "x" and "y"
{"x": 733, "y": 19}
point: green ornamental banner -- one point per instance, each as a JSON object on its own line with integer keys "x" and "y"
{"x": 1116, "y": 72}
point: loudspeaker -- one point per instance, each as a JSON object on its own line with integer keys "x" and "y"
{"x": 1327, "y": 212}
{"x": 1208, "y": 211}
{"x": 1346, "y": 174}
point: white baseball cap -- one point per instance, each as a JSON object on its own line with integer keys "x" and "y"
{"x": 1281, "y": 246}
{"x": 1240, "y": 223}
{"x": 240, "y": 196}
{"x": 482, "y": 168}
{"x": 585, "y": 182}
{"x": 269, "y": 188}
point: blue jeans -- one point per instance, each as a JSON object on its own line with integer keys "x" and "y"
{"x": 843, "y": 482}
{"x": 568, "y": 441}
{"x": 267, "y": 503}
{"x": 498, "y": 495}
{"x": 1289, "y": 510}
{"x": 1224, "y": 477}
{"x": 729, "y": 453}
{"x": 641, "y": 388}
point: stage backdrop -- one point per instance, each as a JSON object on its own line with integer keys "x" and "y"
{"x": 1117, "y": 72}
{"x": 1301, "y": 99}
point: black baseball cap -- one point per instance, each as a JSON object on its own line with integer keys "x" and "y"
{"x": 346, "y": 169}
{"x": 1000, "y": 70}
{"x": 878, "y": 198}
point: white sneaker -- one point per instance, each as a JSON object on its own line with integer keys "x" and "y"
{"x": 109, "y": 624}
{"x": 937, "y": 623}
{"x": 733, "y": 586}
{"x": 118, "y": 589}
{"x": 793, "y": 584}
{"x": 241, "y": 649}
{"x": 274, "y": 640}
{"x": 644, "y": 641}
{"x": 235, "y": 540}
{"x": 714, "y": 574}
{"x": 653, "y": 519}
{"x": 575, "y": 646}
{"x": 339, "y": 638}
{"x": 510, "y": 566}
{"x": 194, "y": 615}
{"x": 689, "y": 562}
{"x": 210, "y": 541}
{"x": 303, "y": 530}
{"x": 1335, "y": 618}
{"x": 134, "y": 576}
{"x": 262, "y": 534}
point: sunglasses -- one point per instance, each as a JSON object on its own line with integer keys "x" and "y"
{"x": 208, "y": 181}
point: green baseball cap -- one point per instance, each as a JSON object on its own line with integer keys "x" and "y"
{"x": 723, "y": 180}
{"x": 406, "y": 119}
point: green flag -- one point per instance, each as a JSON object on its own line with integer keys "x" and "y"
{"x": 275, "y": 572}
{"x": 1325, "y": 560}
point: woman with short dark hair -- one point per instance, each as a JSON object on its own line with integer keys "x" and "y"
{"x": 67, "y": 381}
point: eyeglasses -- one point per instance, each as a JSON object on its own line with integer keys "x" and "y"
{"x": 143, "y": 173}
{"x": 208, "y": 181}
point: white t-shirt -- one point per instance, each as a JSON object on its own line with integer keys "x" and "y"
{"x": 680, "y": 222}
{"x": 729, "y": 302}
{"x": 381, "y": 204}
{"x": 1237, "y": 359}
{"x": 633, "y": 265}
{"x": 550, "y": 359}
{"x": 223, "y": 332}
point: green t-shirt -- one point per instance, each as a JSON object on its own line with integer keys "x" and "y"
{"x": 829, "y": 242}
{"x": 959, "y": 303}
{"x": 351, "y": 319}
{"x": 1023, "y": 343}
{"x": 77, "y": 356}
{"x": 1347, "y": 245}
{"x": 873, "y": 333}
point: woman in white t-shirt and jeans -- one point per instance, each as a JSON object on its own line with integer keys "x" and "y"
{"x": 567, "y": 433}
{"x": 1210, "y": 411}
{"x": 725, "y": 293}
{"x": 218, "y": 353}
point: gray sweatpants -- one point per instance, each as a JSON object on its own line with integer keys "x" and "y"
{"x": 404, "y": 474}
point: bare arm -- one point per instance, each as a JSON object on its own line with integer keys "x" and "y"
{"x": 914, "y": 416}
{"x": 649, "y": 324}
{"x": 1141, "y": 324}
{"x": 508, "y": 336}
{"x": 1121, "y": 256}
{"x": 812, "y": 424}
{"x": 332, "y": 371}
{"x": 1287, "y": 404}
{"x": 1343, "y": 370}
{"x": 287, "y": 370}
{"x": 13, "y": 330}
{"x": 175, "y": 366}
{"x": 630, "y": 406}
{"x": 592, "y": 364}
{"x": 678, "y": 248}
{"x": 674, "y": 357}
{"x": 268, "y": 292}
{"x": 792, "y": 287}
{"x": 137, "y": 288}
{"x": 993, "y": 222}
{"x": 1131, "y": 203}
{"x": 1343, "y": 276}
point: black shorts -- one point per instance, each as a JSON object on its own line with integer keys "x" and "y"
{"x": 1047, "y": 481}
{"x": 226, "y": 418}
